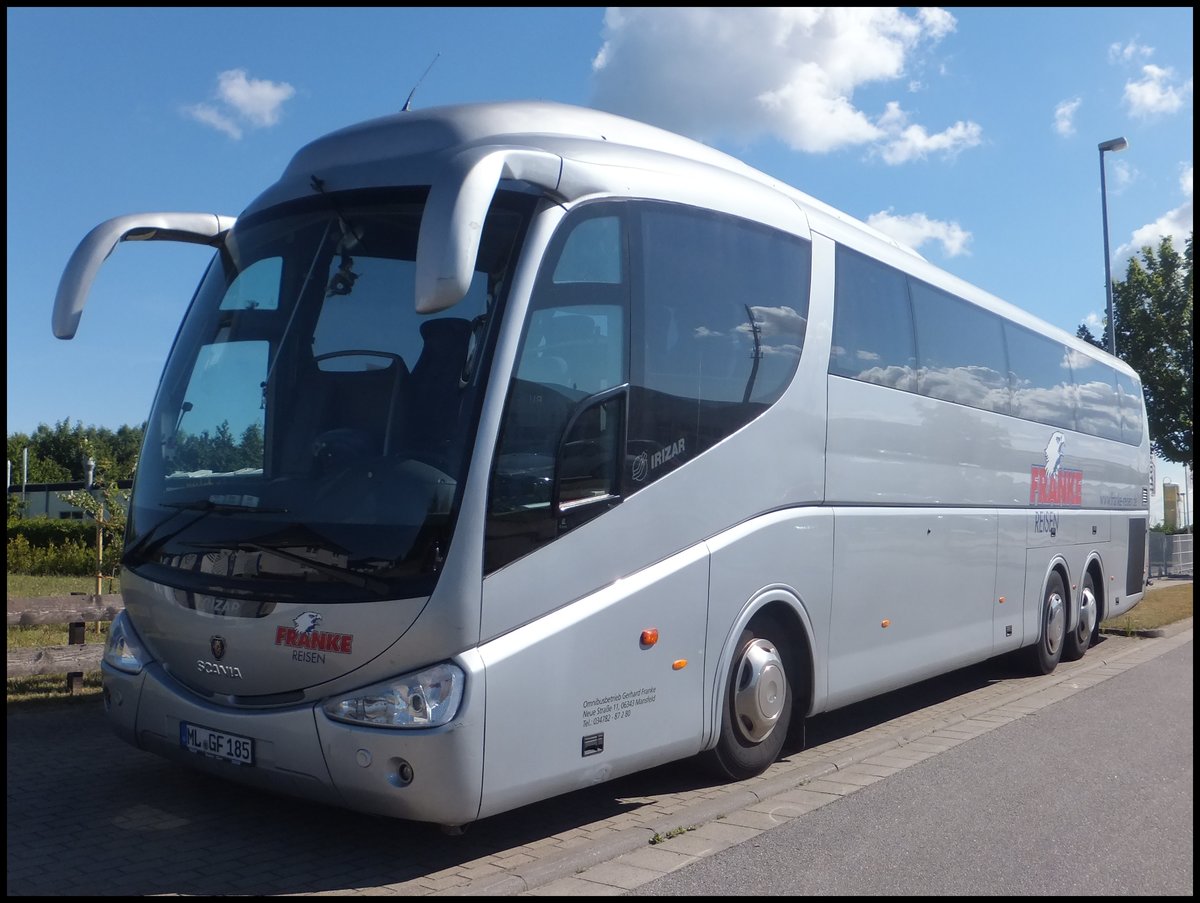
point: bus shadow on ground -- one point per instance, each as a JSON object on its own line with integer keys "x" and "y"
{"x": 630, "y": 792}
{"x": 215, "y": 837}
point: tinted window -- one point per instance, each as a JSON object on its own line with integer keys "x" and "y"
{"x": 573, "y": 346}
{"x": 1099, "y": 411}
{"x": 872, "y": 324}
{"x": 654, "y": 331}
{"x": 961, "y": 350}
{"x": 723, "y": 313}
{"x": 1041, "y": 378}
{"x": 1130, "y": 393}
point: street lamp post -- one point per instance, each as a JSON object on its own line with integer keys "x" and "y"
{"x": 1113, "y": 144}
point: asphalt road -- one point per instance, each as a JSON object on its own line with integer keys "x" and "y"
{"x": 1092, "y": 796}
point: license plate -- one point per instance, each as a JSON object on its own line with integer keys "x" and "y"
{"x": 216, "y": 744}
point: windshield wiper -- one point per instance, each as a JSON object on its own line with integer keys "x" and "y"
{"x": 204, "y": 507}
{"x": 344, "y": 574}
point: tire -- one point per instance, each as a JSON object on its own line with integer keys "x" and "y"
{"x": 756, "y": 711}
{"x": 1043, "y": 657}
{"x": 1087, "y": 626}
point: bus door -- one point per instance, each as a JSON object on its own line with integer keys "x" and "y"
{"x": 593, "y": 640}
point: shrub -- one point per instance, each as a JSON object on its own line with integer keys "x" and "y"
{"x": 42, "y": 531}
{"x": 68, "y": 559}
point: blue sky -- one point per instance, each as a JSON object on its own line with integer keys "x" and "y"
{"x": 969, "y": 133}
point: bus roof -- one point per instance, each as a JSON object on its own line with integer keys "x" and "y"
{"x": 421, "y": 138}
{"x": 413, "y": 146}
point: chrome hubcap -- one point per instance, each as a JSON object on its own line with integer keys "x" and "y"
{"x": 1087, "y": 614}
{"x": 760, "y": 691}
{"x": 1056, "y": 622}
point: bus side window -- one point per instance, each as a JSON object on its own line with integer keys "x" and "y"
{"x": 1130, "y": 392}
{"x": 573, "y": 347}
{"x": 721, "y": 314}
{"x": 1096, "y": 393}
{"x": 872, "y": 324}
{"x": 971, "y": 372}
{"x": 1043, "y": 389}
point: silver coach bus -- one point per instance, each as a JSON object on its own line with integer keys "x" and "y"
{"x": 508, "y": 448}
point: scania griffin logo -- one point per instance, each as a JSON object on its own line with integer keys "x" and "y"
{"x": 217, "y": 645}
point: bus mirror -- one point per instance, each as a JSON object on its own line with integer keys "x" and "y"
{"x": 77, "y": 278}
{"x": 455, "y": 212}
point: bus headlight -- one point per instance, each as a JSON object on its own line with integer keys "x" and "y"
{"x": 123, "y": 650}
{"x": 426, "y": 698}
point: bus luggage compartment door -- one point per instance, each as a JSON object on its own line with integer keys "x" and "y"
{"x": 604, "y": 686}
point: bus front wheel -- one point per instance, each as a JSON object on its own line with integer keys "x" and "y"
{"x": 757, "y": 709}
{"x": 1043, "y": 657}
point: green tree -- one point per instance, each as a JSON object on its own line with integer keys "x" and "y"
{"x": 57, "y": 453}
{"x": 109, "y": 511}
{"x": 1152, "y": 310}
{"x": 1086, "y": 334}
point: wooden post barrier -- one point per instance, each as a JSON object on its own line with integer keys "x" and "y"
{"x": 78, "y": 656}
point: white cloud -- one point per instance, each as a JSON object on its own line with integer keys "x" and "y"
{"x": 210, "y": 115}
{"x": 916, "y": 229}
{"x": 252, "y": 101}
{"x": 1155, "y": 94}
{"x": 1129, "y": 52}
{"x": 1122, "y": 175}
{"x": 785, "y": 72}
{"x": 258, "y": 100}
{"x": 1175, "y": 223}
{"x": 906, "y": 142}
{"x": 1064, "y": 116}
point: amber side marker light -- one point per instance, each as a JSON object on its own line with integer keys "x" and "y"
{"x": 650, "y": 636}
{"x": 679, "y": 664}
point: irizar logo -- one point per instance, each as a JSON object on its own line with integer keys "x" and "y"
{"x": 304, "y": 635}
{"x": 665, "y": 454}
{"x": 1051, "y": 483}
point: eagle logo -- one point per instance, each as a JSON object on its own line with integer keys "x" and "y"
{"x": 1054, "y": 453}
{"x": 307, "y": 622}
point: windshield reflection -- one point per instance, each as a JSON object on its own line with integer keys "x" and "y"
{"x": 314, "y": 426}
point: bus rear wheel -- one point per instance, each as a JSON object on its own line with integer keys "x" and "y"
{"x": 757, "y": 709}
{"x": 1043, "y": 657}
{"x": 1079, "y": 639}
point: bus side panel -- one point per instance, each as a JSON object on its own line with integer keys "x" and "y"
{"x": 1008, "y": 629}
{"x": 1125, "y": 563}
{"x": 912, "y": 596}
{"x": 892, "y": 447}
{"x": 581, "y": 695}
{"x": 787, "y": 554}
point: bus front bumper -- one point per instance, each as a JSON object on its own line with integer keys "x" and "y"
{"x": 433, "y": 775}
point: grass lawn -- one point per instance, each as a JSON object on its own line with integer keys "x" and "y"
{"x": 1166, "y": 602}
{"x": 23, "y": 586}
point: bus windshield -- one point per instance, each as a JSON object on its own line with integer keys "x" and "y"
{"x": 311, "y": 431}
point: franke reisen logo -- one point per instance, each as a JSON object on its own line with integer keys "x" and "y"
{"x": 1051, "y": 483}
{"x": 303, "y": 634}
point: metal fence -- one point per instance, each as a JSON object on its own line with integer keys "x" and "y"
{"x": 1170, "y": 556}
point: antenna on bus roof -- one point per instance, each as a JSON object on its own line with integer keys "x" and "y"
{"x": 408, "y": 103}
